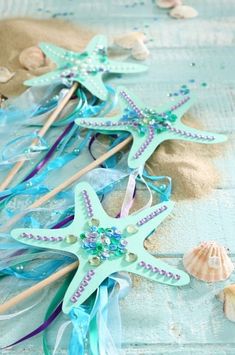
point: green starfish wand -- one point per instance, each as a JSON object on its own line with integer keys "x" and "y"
{"x": 104, "y": 245}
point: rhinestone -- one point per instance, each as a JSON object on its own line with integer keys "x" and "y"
{"x": 94, "y": 222}
{"x": 94, "y": 260}
{"x": 131, "y": 229}
{"x": 130, "y": 257}
{"x": 71, "y": 239}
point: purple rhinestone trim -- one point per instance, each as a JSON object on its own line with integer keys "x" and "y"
{"x": 151, "y": 215}
{"x": 143, "y": 147}
{"x": 179, "y": 104}
{"x": 158, "y": 271}
{"x": 184, "y": 133}
{"x": 40, "y": 237}
{"x": 81, "y": 288}
{"x": 131, "y": 103}
{"x": 87, "y": 202}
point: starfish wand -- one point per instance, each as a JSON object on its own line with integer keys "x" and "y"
{"x": 51, "y": 119}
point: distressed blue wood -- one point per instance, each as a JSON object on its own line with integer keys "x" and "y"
{"x": 158, "y": 319}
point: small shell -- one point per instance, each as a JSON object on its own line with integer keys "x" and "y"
{"x": 5, "y": 75}
{"x": 208, "y": 262}
{"x": 140, "y": 51}
{"x": 227, "y": 296}
{"x": 181, "y": 12}
{"x": 32, "y": 58}
{"x": 168, "y": 4}
{"x": 129, "y": 40}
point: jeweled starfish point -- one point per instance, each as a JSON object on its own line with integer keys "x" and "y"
{"x": 150, "y": 127}
{"x": 104, "y": 245}
{"x": 87, "y": 67}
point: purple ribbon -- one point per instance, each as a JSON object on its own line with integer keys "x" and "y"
{"x": 49, "y": 153}
{"x": 63, "y": 222}
{"x": 39, "y": 329}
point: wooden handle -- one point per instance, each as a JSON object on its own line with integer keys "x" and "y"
{"x": 67, "y": 183}
{"x": 35, "y": 288}
{"x": 51, "y": 119}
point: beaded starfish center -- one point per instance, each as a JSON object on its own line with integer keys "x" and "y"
{"x": 104, "y": 243}
{"x": 85, "y": 63}
{"x": 146, "y": 118}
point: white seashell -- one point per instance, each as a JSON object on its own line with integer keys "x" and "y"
{"x": 208, "y": 262}
{"x": 182, "y": 11}
{"x": 32, "y": 58}
{"x": 140, "y": 51}
{"x": 128, "y": 40}
{"x": 168, "y": 4}
{"x": 227, "y": 296}
{"x": 5, "y": 75}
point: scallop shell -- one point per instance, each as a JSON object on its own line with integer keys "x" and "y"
{"x": 140, "y": 51}
{"x": 168, "y": 4}
{"x": 227, "y": 296}
{"x": 182, "y": 12}
{"x": 32, "y": 58}
{"x": 129, "y": 40}
{"x": 208, "y": 262}
{"x": 5, "y": 75}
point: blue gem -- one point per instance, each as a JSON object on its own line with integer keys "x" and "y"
{"x": 112, "y": 247}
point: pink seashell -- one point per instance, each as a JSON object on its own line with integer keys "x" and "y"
{"x": 128, "y": 40}
{"x": 183, "y": 12}
{"x": 208, "y": 262}
{"x": 140, "y": 51}
{"x": 227, "y": 296}
{"x": 32, "y": 58}
{"x": 135, "y": 42}
{"x": 168, "y": 4}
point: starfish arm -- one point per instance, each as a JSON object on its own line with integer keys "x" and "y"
{"x": 146, "y": 221}
{"x": 142, "y": 147}
{"x": 87, "y": 205}
{"x": 177, "y": 107}
{"x": 43, "y": 238}
{"x": 57, "y": 54}
{"x": 46, "y": 79}
{"x": 86, "y": 280}
{"x": 181, "y": 131}
{"x": 156, "y": 270}
{"x": 95, "y": 85}
{"x": 103, "y": 124}
{"x": 97, "y": 42}
{"x": 128, "y": 99}
{"x": 125, "y": 67}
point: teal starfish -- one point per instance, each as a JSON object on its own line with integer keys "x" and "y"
{"x": 87, "y": 67}
{"x": 104, "y": 245}
{"x": 150, "y": 127}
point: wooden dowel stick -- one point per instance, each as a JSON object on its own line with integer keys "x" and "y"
{"x": 52, "y": 118}
{"x": 35, "y": 288}
{"x": 67, "y": 183}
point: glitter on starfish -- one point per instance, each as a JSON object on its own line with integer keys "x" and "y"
{"x": 104, "y": 245}
{"x": 150, "y": 127}
{"x": 87, "y": 67}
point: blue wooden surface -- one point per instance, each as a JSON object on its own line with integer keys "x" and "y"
{"x": 158, "y": 319}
